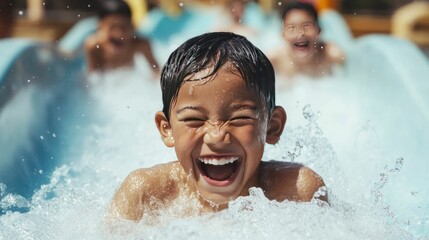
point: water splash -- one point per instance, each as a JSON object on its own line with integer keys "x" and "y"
{"x": 296, "y": 152}
{"x": 12, "y": 202}
{"x": 384, "y": 177}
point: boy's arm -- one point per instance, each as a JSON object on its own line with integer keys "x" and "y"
{"x": 334, "y": 53}
{"x": 93, "y": 53}
{"x": 145, "y": 48}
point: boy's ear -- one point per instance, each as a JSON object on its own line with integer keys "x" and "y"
{"x": 164, "y": 129}
{"x": 276, "y": 125}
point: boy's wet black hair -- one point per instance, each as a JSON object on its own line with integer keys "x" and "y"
{"x": 118, "y": 7}
{"x": 215, "y": 50}
{"x": 305, "y": 6}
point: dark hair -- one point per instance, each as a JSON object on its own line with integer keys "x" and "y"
{"x": 215, "y": 50}
{"x": 109, "y": 7}
{"x": 305, "y": 6}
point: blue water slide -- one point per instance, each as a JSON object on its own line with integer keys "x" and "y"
{"x": 73, "y": 40}
{"x": 392, "y": 53}
{"x": 335, "y": 29}
{"x": 36, "y": 87}
{"x": 392, "y": 74}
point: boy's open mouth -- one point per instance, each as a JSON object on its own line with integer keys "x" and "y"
{"x": 116, "y": 42}
{"x": 219, "y": 171}
{"x": 302, "y": 45}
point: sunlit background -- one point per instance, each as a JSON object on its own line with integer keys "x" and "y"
{"x": 49, "y": 20}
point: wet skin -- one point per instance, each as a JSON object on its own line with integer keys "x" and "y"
{"x": 217, "y": 123}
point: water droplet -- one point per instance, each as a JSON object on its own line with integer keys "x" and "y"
{"x": 28, "y": 80}
{"x": 78, "y": 15}
{"x": 41, "y": 137}
{"x": 41, "y": 171}
{"x": 54, "y": 135}
{"x": 89, "y": 5}
{"x": 191, "y": 89}
{"x": 181, "y": 4}
{"x": 44, "y": 4}
{"x": 98, "y": 46}
{"x": 21, "y": 12}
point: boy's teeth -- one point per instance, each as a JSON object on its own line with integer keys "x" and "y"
{"x": 218, "y": 161}
{"x": 301, "y": 44}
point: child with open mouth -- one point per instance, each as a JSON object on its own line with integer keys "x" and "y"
{"x": 304, "y": 52}
{"x": 218, "y": 113}
{"x": 115, "y": 44}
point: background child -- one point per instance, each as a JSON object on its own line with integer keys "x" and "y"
{"x": 219, "y": 110}
{"x": 304, "y": 52}
{"x": 235, "y": 10}
{"x": 115, "y": 43}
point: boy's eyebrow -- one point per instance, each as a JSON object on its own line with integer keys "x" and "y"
{"x": 189, "y": 107}
{"x": 309, "y": 22}
{"x": 294, "y": 24}
{"x": 236, "y": 106}
{"x": 244, "y": 106}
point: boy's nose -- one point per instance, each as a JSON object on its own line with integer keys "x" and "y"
{"x": 300, "y": 31}
{"x": 216, "y": 134}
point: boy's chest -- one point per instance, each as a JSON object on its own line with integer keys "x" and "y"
{"x": 181, "y": 204}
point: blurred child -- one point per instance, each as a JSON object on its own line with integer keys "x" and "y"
{"x": 219, "y": 110}
{"x": 305, "y": 53}
{"x": 115, "y": 44}
{"x": 236, "y": 10}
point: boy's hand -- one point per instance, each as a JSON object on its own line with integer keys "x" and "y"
{"x": 102, "y": 40}
{"x": 95, "y": 46}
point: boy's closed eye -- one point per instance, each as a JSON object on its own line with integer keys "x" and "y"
{"x": 193, "y": 121}
{"x": 241, "y": 119}
{"x": 290, "y": 28}
{"x": 236, "y": 120}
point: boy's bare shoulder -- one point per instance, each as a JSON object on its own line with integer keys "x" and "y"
{"x": 334, "y": 53}
{"x": 142, "y": 185}
{"x": 161, "y": 175}
{"x": 289, "y": 181}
